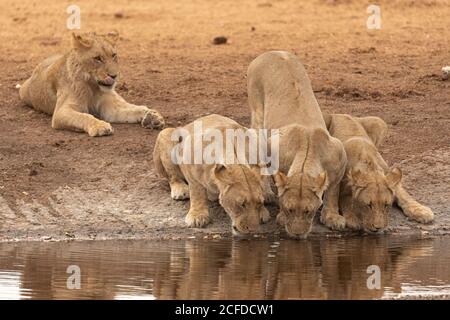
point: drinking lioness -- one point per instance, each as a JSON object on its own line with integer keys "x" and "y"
{"x": 239, "y": 187}
{"x": 369, "y": 187}
{"x": 312, "y": 162}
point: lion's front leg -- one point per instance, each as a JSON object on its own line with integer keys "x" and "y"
{"x": 330, "y": 212}
{"x": 198, "y": 215}
{"x": 411, "y": 208}
{"x": 67, "y": 116}
{"x": 113, "y": 108}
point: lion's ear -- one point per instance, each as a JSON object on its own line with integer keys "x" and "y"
{"x": 356, "y": 178}
{"x": 219, "y": 173}
{"x": 112, "y": 37}
{"x": 280, "y": 181}
{"x": 321, "y": 182}
{"x": 394, "y": 177}
{"x": 81, "y": 40}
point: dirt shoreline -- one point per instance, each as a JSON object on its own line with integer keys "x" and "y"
{"x": 61, "y": 185}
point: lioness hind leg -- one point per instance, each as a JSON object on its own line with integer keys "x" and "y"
{"x": 411, "y": 208}
{"x": 179, "y": 190}
{"x": 165, "y": 167}
{"x": 375, "y": 127}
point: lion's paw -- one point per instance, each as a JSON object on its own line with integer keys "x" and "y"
{"x": 352, "y": 222}
{"x": 100, "y": 128}
{"x": 196, "y": 220}
{"x": 265, "y": 216}
{"x": 333, "y": 221}
{"x": 179, "y": 191}
{"x": 419, "y": 213}
{"x": 281, "y": 219}
{"x": 153, "y": 120}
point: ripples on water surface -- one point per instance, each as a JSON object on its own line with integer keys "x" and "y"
{"x": 226, "y": 269}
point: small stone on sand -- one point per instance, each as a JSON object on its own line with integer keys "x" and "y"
{"x": 220, "y": 40}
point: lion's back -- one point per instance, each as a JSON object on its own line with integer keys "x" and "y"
{"x": 39, "y": 91}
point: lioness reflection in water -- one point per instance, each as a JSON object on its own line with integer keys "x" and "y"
{"x": 283, "y": 269}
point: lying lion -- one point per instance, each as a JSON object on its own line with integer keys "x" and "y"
{"x": 238, "y": 187}
{"x": 369, "y": 186}
{"x": 312, "y": 162}
{"x": 79, "y": 84}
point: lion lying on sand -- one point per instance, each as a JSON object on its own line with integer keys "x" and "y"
{"x": 79, "y": 84}
{"x": 239, "y": 188}
{"x": 312, "y": 162}
{"x": 370, "y": 187}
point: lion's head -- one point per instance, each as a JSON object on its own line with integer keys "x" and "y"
{"x": 372, "y": 195}
{"x": 300, "y": 197}
{"x": 95, "y": 57}
{"x": 241, "y": 195}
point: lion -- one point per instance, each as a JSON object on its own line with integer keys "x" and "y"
{"x": 312, "y": 162}
{"x": 78, "y": 88}
{"x": 370, "y": 187}
{"x": 239, "y": 188}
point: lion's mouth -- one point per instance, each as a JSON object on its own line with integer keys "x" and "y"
{"x": 107, "y": 84}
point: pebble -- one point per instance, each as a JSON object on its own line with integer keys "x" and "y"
{"x": 220, "y": 40}
{"x": 119, "y": 15}
{"x": 445, "y": 72}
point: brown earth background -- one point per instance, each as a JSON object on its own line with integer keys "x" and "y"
{"x": 64, "y": 185}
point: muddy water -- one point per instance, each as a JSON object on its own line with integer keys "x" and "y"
{"x": 226, "y": 269}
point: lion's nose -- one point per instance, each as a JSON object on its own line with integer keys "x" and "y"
{"x": 112, "y": 76}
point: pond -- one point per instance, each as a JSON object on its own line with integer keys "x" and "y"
{"x": 367, "y": 267}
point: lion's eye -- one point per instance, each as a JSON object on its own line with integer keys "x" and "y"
{"x": 98, "y": 59}
{"x": 370, "y": 205}
{"x": 114, "y": 56}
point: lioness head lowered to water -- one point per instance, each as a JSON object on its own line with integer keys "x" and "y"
{"x": 372, "y": 196}
{"x": 242, "y": 197}
{"x": 300, "y": 196}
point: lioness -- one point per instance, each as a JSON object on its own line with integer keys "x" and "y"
{"x": 80, "y": 83}
{"x": 239, "y": 187}
{"x": 369, "y": 186}
{"x": 312, "y": 162}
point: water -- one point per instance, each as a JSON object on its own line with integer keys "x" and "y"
{"x": 227, "y": 269}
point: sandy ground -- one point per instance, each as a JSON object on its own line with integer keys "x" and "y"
{"x": 66, "y": 185}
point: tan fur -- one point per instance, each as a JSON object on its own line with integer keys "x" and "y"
{"x": 69, "y": 87}
{"x": 312, "y": 162}
{"x": 239, "y": 188}
{"x": 370, "y": 187}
